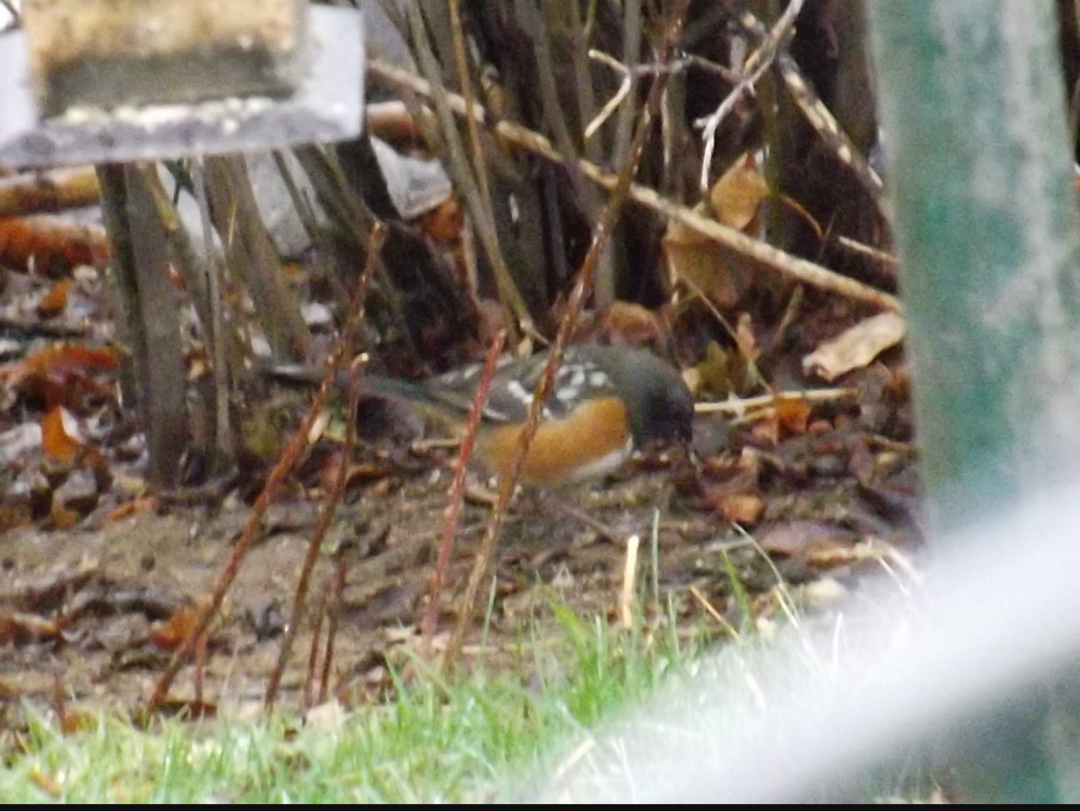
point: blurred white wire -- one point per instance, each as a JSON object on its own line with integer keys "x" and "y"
{"x": 6, "y": 18}
{"x": 803, "y": 714}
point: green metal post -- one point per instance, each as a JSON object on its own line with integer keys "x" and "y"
{"x": 972, "y": 103}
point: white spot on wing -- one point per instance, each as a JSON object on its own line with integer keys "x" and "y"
{"x": 495, "y": 414}
{"x": 518, "y": 392}
{"x": 597, "y": 380}
{"x": 568, "y": 394}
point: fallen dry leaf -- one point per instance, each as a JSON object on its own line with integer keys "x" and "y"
{"x": 792, "y": 415}
{"x": 742, "y": 508}
{"x": 50, "y": 244}
{"x": 59, "y": 374}
{"x": 802, "y": 538}
{"x": 444, "y": 222}
{"x": 856, "y": 347}
{"x": 627, "y": 324}
{"x": 173, "y": 632}
{"x": 719, "y": 274}
{"x": 60, "y": 435}
{"x": 54, "y": 301}
{"x": 737, "y": 196}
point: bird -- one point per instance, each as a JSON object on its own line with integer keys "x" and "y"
{"x": 606, "y": 401}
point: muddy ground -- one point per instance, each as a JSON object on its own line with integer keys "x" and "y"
{"x": 87, "y": 611}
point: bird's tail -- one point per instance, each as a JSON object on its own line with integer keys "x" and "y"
{"x": 302, "y": 376}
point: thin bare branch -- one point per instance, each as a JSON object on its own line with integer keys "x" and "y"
{"x": 791, "y": 266}
{"x": 458, "y": 168}
{"x": 326, "y": 516}
{"x": 756, "y": 64}
{"x": 820, "y": 118}
{"x": 738, "y": 407}
{"x": 456, "y": 493}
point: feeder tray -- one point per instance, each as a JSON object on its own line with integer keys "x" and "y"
{"x": 94, "y": 81}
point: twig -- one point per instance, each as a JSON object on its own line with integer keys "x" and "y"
{"x": 479, "y": 164}
{"x": 614, "y": 102}
{"x": 456, "y": 494}
{"x": 609, "y": 215}
{"x": 337, "y": 362}
{"x": 333, "y": 498}
{"x": 251, "y": 528}
{"x": 791, "y": 266}
{"x": 331, "y": 629}
{"x": 247, "y": 538}
{"x": 313, "y": 651}
{"x": 739, "y": 407}
{"x": 628, "y": 73}
{"x": 863, "y": 249}
{"x": 232, "y": 566}
{"x": 756, "y": 64}
{"x": 458, "y": 168}
{"x": 214, "y": 328}
{"x": 626, "y": 594}
{"x": 712, "y": 612}
{"x": 821, "y": 119}
{"x": 830, "y": 131}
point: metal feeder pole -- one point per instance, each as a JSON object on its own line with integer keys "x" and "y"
{"x": 972, "y": 104}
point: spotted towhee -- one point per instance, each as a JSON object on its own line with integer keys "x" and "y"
{"x": 605, "y": 402}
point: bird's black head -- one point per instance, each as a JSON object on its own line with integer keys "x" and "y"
{"x": 660, "y": 405}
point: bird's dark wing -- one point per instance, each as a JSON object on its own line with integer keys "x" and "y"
{"x": 511, "y": 392}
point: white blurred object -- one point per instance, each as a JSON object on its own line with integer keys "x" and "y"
{"x": 804, "y": 715}
{"x": 415, "y": 186}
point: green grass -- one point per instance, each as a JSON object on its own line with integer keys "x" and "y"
{"x": 497, "y": 734}
{"x": 435, "y": 742}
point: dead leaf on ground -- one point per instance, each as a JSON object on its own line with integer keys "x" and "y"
{"x": 172, "y": 633}
{"x": 723, "y": 372}
{"x": 722, "y": 275}
{"x": 139, "y": 505}
{"x": 444, "y": 222}
{"x": 41, "y": 191}
{"x": 55, "y": 300}
{"x": 856, "y": 347}
{"x": 627, "y": 324}
{"x": 59, "y": 374}
{"x": 803, "y": 539}
{"x": 792, "y": 415}
{"x": 60, "y": 436}
{"x": 741, "y": 508}
{"x": 50, "y": 244}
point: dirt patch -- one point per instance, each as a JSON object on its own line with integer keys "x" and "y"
{"x": 102, "y": 596}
